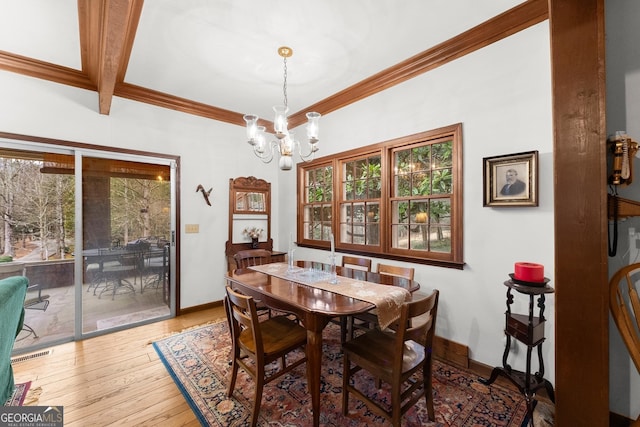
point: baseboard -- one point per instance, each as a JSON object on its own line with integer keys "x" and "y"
{"x": 458, "y": 354}
{"x": 451, "y": 351}
{"x": 617, "y": 420}
{"x": 196, "y": 308}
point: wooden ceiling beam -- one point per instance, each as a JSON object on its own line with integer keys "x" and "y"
{"x": 107, "y": 32}
{"x": 160, "y": 99}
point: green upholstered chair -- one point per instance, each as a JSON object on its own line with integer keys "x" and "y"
{"x": 12, "y": 294}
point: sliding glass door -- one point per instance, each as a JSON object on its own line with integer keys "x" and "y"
{"x": 126, "y": 208}
{"x": 93, "y": 233}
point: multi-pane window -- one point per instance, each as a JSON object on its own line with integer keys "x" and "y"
{"x": 399, "y": 199}
{"x": 317, "y": 204}
{"x": 361, "y": 188}
{"x": 421, "y": 197}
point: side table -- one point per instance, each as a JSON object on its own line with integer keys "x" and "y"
{"x": 529, "y": 330}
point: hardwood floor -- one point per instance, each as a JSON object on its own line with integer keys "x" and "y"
{"x": 115, "y": 379}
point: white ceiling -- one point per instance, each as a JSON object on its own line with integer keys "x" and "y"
{"x": 223, "y": 53}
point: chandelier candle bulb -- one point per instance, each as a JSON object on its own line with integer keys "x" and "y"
{"x": 280, "y": 120}
{"x": 313, "y": 127}
{"x": 252, "y": 128}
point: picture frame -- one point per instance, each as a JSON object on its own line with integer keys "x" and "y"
{"x": 511, "y": 180}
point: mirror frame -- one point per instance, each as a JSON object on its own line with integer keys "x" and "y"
{"x": 248, "y": 185}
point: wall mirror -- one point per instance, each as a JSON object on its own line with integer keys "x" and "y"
{"x": 249, "y": 208}
{"x": 250, "y": 201}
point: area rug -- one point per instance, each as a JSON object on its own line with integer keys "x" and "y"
{"x": 198, "y": 361}
{"x": 20, "y": 392}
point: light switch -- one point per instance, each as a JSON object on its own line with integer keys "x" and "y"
{"x": 192, "y": 228}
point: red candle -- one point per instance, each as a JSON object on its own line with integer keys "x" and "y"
{"x": 529, "y": 272}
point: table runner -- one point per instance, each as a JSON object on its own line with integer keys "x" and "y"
{"x": 387, "y": 299}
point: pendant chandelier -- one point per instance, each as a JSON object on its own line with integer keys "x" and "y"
{"x": 286, "y": 144}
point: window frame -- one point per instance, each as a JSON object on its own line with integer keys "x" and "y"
{"x": 452, "y": 259}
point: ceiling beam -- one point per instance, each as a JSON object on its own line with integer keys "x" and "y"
{"x": 160, "y": 99}
{"x": 107, "y": 32}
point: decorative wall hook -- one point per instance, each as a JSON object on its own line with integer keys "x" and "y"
{"x": 205, "y": 194}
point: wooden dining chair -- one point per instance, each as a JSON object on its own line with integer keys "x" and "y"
{"x": 397, "y": 271}
{"x": 625, "y": 310}
{"x": 356, "y": 262}
{"x": 369, "y": 319}
{"x": 251, "y": 257}
{"x": 395, "y": 358}
{"x": 261, "y": 342}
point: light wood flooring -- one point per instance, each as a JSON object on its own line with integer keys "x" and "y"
{"x": 115, "y": 379}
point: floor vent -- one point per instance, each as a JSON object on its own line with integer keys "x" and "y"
{"x": 30, "y": 356}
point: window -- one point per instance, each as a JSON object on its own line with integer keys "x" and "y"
{"x": 398, "y": 199}
{"x": 360, "y": 195}
{"x": 317, "y": 203}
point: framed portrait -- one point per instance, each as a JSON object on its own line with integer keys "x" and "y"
{"x": 511, "y": 180}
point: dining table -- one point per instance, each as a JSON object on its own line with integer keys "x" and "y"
{"x": 308, "y": 291}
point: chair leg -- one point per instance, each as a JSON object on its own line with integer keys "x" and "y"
{"x": 428, "y": 391}
{"x": 234, "y": 374}
{"x": 345, "y": 385}
{"x": 343, "y": 329}
{"x": 396, "y": 404}
{"x": 257, "y": 399}
{"x": 29, "y": 329}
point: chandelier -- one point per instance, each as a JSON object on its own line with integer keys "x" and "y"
{"x": 286, "y": 144}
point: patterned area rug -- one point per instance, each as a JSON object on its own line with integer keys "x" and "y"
{"x": 19, "y": 394}
{"x": 198, "y": 361}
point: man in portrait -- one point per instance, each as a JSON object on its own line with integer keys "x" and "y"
{"x": 513, "y": 186}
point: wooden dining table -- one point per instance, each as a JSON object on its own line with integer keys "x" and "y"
{"x": 314, "y": 307}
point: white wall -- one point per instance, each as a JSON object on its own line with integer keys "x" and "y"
{"x": 211, "y": 152}
{"x": 623, "y": 113}
{"x": 501, "y": 95}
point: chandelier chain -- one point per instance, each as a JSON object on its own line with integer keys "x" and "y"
{"x": 284, "y": 88}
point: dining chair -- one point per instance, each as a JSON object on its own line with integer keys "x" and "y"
{"x": 155, "y": 269}
{"x": 395, "y": 357}
{"x": 35, "y": 302}
{"x": 261, "y": 342}
{"x": 251, "y": 257}
{"x": 397, "y": 271}
{"x": 369, "y": 319}
{"x": 625, "y": 310}
{"x": 356, "y": 262}
{"x": 118, "y": 275}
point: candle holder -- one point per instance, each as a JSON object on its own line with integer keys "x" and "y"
{"x": 291, "y": 266}
{"x": 334, "y": 275}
